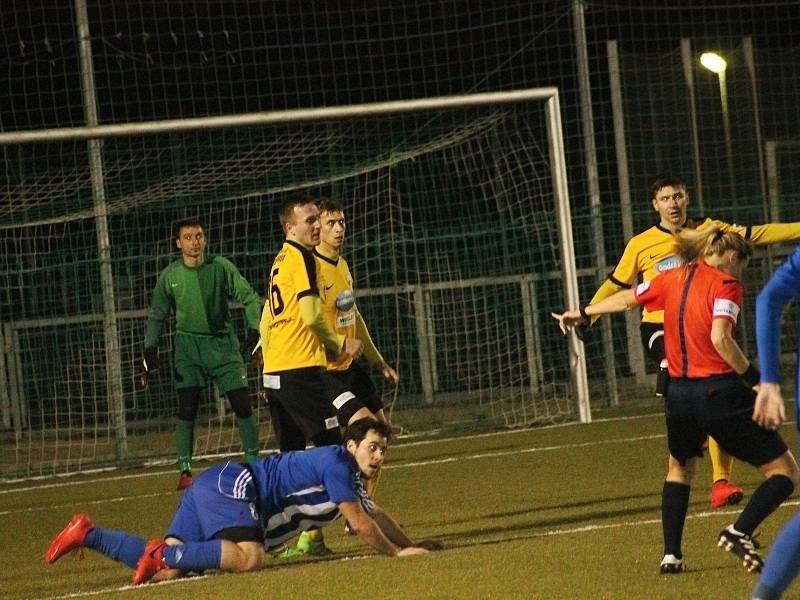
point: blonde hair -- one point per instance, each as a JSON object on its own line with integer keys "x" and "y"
{"x": 714, "y": 241}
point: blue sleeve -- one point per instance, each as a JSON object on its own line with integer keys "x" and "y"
{"x": 340, "y": 479}
{"x": 782, "y": 287}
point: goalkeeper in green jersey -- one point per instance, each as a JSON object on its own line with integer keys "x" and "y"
{"x": 197, "y": 288}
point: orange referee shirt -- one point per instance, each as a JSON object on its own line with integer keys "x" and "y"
{"x": 691, "y": 297}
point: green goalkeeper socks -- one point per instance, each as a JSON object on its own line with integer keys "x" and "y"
{"x": 248, "y": 432}
{"x": 184, "y": 440}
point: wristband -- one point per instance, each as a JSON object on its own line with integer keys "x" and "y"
{"x": 751, "y": 376}
{"x": 584, "y": 316}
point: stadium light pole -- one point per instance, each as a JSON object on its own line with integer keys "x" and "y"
{"x": 716, "y": 64}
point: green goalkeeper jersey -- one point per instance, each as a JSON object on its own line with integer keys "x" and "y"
{"x": 199, "y": 298}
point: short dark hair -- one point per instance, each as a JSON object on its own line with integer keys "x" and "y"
{"x": 357, "y": 430}
{"x": 664, "y": 180}
{"x": 329, "y": 205}
{"x": 188, "y": 222}
{"x": 287, "y": 207}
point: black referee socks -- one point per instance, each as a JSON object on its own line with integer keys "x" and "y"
{"x": 767, "y": 497}
{"x": 674, "y": 504}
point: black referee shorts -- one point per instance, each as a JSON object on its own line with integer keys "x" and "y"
{"x": 722, "y": 407}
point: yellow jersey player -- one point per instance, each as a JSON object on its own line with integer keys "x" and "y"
{"x": 652, "y": 252}
{"x": 342, "y": 314}
{"x": 305, "y": 404}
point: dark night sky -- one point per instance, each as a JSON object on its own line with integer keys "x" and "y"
{"x": 199, "y": 58}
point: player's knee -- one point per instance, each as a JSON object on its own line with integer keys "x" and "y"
{"x": 251, "y": 557}
{"x": 167, "y": 574}
{"x": 350, "y": 408}
{"x": 784, "y": 465}
{"x": 240, "y": 403}
{"x": 681, "y": 473}
{"x": 188, "y": 401}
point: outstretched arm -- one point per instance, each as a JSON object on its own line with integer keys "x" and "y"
{"x": 625, "y": 273}
{"x": 772, "y": 233}
{"x": 381, "y": 532}
{"x": 619, "y": 302}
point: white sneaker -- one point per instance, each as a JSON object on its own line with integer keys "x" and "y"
{"x": 671, "y": 564}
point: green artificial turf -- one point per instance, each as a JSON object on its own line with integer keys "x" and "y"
{"x": 560, "y": 512}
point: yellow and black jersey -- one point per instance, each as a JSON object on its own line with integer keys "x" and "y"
{"x": 338, "y": 302}
{"x": 289, "y": 342}
{"x": 653, "y": 251}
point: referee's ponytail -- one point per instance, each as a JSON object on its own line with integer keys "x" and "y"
{"x": 714, "y": 241}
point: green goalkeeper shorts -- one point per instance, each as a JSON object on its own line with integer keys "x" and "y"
{"x": 200, "y": 360}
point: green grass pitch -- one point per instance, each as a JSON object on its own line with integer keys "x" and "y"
{"x": 560, "y": 512}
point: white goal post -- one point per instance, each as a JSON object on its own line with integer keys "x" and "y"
{"x": 428, "y": 299}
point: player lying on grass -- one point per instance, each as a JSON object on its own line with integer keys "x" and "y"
{"x": 233, "y": 511}
{"x": 710, "y": 385}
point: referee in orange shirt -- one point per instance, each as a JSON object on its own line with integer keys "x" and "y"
{"x": 711, "y": 385}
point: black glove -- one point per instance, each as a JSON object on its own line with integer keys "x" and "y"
{"x": 253, "y": 349}
{"x": 150, "y": 365}
{"x": 582, "y": 331}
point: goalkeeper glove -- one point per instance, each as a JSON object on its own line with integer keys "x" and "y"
{"x": 252, "y": 345}
{"x": 150, "y": 365}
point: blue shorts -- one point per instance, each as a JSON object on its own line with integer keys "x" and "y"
{"x": 222, "y": 497}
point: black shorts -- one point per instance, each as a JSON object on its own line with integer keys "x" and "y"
{"x": 653, "y": 340}
{"x": 722, "y": 407}
{"x": 312, "y": 399}
{"x": 358, "y": 381}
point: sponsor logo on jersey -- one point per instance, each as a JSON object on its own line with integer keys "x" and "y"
{"x": 642, "y": 288}
{"x": 668, "y": 263}
{"x": 345, "y": 300}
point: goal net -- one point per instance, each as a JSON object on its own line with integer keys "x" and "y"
{"x": 458, "y": 239}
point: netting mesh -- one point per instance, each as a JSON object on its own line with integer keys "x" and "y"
{"x": 441, "y": 245}
{"x": 195, "y": 58}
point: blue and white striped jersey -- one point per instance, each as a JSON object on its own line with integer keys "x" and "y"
{"x": 297, "y": 490}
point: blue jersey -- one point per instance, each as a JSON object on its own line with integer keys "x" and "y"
{"x": 782, "y": 287}
{"x": 282, "y": 495}
{"x": 297, "y": 490}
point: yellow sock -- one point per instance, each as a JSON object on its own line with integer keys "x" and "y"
{"x": 721, "y": 461}
{"x": 372, "y": 484}
{"x": 313, "y": 534}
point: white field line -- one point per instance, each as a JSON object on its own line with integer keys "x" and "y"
{"x": 553, "y": 532}
{"x": 223, "y": 456}
{"x": 422, "y": 463}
